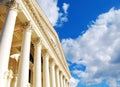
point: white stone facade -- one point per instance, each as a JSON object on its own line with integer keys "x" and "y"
{"x": 30, "y": 50}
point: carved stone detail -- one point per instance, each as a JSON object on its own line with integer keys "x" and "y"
{"x": 45, "y": 52}
{"x": 37, "y": 41}
{"x": 27, "y": 26}
{"x": 13, "y": 5}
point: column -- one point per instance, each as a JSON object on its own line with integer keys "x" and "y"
{"x": 65, "y": 82}
{"x": 46, "y": 76}
{"x": 52, "y": 73}
{"x": 23, "y": 72}
{"x": 37, "y": 63}
{"x": 61, "y": 80}
{"x": 6, "y": 41}
{"x": 57, "y": 77}
{"x": 68, "y": 84}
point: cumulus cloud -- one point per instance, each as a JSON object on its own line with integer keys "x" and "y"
{"x": 98, "y": 49}
{"x": 73, "y": 82}
{"x": 112, "y": 82}
{"x": 54, "y": 13}
{"x": 63, "y": 16}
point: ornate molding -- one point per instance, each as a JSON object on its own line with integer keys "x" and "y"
{"x": 27, "y": 26}
{"x": 37, "y": 41}
{"x": 45, "y": 53}
{"x": 13, "y": 5}
{"x": 52, "y": 62}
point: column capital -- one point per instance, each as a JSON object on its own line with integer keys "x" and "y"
{"x": 37, "y": 41}
{"x": 27, "y": 25}
{"x": 13, "y": 5}
{"x": 52, "y": 63}
{"x": 57, "y": 68}
{"x": 45, "y": 53}
{"x": 61, "y": 73}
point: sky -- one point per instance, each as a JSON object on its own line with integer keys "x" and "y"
{"x": 89, "y": 32}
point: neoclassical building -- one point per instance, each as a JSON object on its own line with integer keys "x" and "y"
{"x": 30, "y": 50}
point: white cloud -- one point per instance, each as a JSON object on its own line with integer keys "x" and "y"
{"x": 98, "y": 49}
{"x": 112, "y": 82}
{"x": 53, "y": 12}
{"x": 73, "y": 82}
{"x": 65, "y": 7}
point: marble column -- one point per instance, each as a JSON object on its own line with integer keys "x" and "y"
{"x": 57, "y": 77}
{"x": 64, "y": 82}
{"x": 23, "y": 72}
{"x": 46, "y": 76}
{"x": 6, "y": 41}
{"x": 68, "y": 84}
{"x": 61, "y": 79}
{"x": 52, "y": 74}
{"x": 37, "y": 63}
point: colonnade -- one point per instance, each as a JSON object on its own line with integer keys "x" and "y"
{"x": 50, "y": 76}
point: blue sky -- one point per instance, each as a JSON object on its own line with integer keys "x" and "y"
{"x": 89, "y": 32}
{"x": 81, "y": 13}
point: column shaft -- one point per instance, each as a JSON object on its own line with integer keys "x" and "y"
{"x": 46, "y": 76}
{"x": 57, "y": 77}
{"x": 23, "y": 73}
{"x": 61, "y": 80}
{"x": 52, "y": 73}
{"x": 68, "y": 84}
{"x": 5, "y": 43}
{"x": 65, "y": 83}
{"x": 37, "y": 66}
